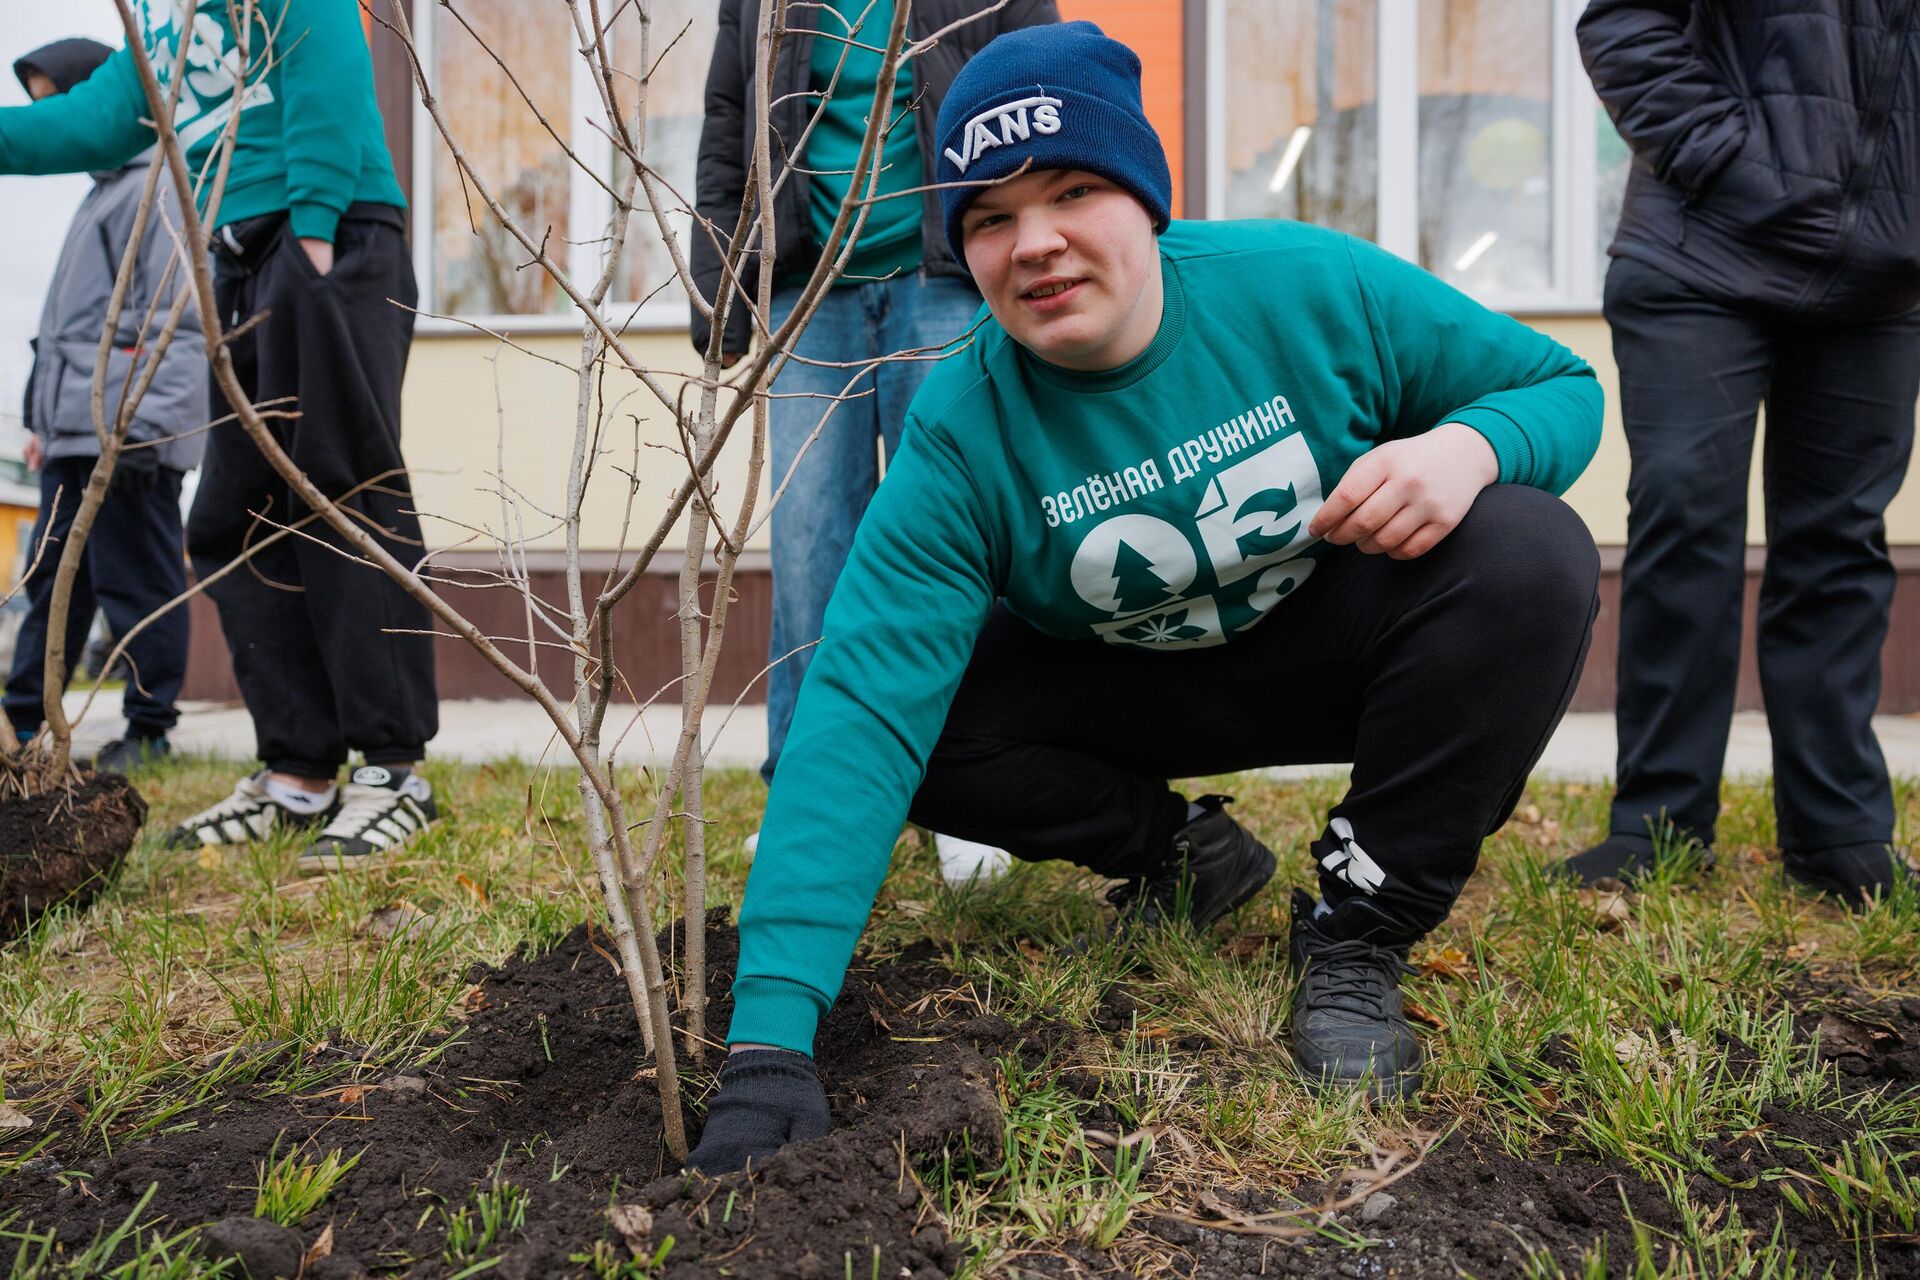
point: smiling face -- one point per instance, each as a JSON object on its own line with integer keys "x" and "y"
{"x": 1068, "y": 264}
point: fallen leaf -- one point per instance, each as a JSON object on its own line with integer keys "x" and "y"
{"x": 1449, "y": 962}
{"x": 475, "y": 999}
{"x": 398, "y": 920}
{"x": 322, "y": 1247}
{"x": 1154, "y": 1031}
{"x": 1419, "y": 1014}
{"x": 1843, "y": 1037}
{"x": 1633, "y": 1050}
{"x": 352, "y": 1094}
{"x": 1544, "y": 1099}
{"x": 11, "y": 1119}
{"x": 1531, "y": 815}
{"x": 1606, "y": 904}
{"x": 466, "y": 882}
{"x": 634, "y": 1222}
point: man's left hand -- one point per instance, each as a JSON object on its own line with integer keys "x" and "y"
{"x": 1401, "y": 498}
{"x": 319, "y": 253}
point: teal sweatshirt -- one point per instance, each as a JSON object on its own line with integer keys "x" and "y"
{"x": 309, "y": 139}
{"x": 1162, "y": 504}
{"x": 890, "y": 239}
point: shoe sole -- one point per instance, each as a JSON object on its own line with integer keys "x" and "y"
{"x": 1833, "y": 892}
{"x": 1629, "y": 876}
{"x": 1394, "y": 1088}
{"x": 318, "y": 864}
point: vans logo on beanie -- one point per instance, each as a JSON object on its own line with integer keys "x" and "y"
{"x": 1015, "y": 126}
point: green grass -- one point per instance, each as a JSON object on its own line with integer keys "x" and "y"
{"x": 1551, "y": 1033}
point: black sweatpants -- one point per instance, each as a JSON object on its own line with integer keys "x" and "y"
{"x": 1440, "y": 678}
{"x": 1840, "y": 406}
{"x": 316, "y": 636}
{"x": 133, "y": 564}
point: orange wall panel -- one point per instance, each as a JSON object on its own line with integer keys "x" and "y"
{"x": 1154, "y": 29}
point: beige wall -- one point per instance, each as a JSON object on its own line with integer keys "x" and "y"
{"x": 453, "y": 430}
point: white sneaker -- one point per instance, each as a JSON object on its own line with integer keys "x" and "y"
{"x": 963, "y": 861}
{"x": 380, "y": 810}
{"x": 250, "y": 813}
{"x": 751, "y": 845}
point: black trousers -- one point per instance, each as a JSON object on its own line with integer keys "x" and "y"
{"x": 318, "y": 639}
{"x": 133, "y": 564}
{"x": 1840, "y": 412}
{"x": 1439, "y": 678}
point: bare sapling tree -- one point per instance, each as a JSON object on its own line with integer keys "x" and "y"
{"x": 701, "y": 411}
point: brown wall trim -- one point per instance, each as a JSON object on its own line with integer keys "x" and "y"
{"x": 647, "y": 644}
{"x": 393, "y": 90}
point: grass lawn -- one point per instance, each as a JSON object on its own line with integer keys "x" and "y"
{"x": 1642, "y": 1035}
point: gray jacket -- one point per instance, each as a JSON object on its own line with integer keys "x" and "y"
{"x": 59, "y": 401}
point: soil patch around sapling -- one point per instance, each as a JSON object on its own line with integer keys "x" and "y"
{"x": 63, "y": 844}
{"x": 543, "y": 1107}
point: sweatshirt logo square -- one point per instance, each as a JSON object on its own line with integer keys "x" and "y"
{"x": 1009, "y": 122}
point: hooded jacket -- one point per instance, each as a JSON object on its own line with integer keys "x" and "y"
{"x": 59, "y": 397}
{"x": 1776, "y": 147}
{"x": 726, "y": 136}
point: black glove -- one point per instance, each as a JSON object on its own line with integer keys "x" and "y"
{"x": 767, "y": 1098}
{"x": 135, "y": 471}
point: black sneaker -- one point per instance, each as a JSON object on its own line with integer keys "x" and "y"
{"x": 250, "y": 813}
{"x": 124, "y": 755}
{"x": 380, "y": 810}
{"x": 1626, "y": 857}
{"x": 1350, "y": 1027}
{"x": 1856, "y": 874}
{"x": 1216, "y": 866}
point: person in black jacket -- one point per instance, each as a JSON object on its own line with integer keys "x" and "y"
{"x": 902, "y": 290}
{"x": 1768, "y": 251}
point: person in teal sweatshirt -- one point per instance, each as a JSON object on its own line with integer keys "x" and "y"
{"x": 1199, "y": 497}
{"x": 331, "y": 656}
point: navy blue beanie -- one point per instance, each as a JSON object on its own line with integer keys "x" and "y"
{"x": 1064, "y": 96}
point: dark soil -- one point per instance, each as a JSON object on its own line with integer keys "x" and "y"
{"x": 545, "y": 1087}
{"x": 63, "y": 845}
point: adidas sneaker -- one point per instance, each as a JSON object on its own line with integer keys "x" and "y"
{"x": 250, "y": 813}
{"x": 380, "y": 810}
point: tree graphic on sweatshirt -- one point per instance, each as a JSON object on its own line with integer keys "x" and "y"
{"x": 1135, "y": 585}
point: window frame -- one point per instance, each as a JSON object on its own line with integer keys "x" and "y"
{"x": 588, "y": 205}
{"x": 1573, "y": 149}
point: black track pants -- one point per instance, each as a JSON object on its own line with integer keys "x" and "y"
{"x": 1840, "y": 404}
{"x": 315, "y": 636}
{"x": 132, "y": 566}
{"x": 1439, "y": 678}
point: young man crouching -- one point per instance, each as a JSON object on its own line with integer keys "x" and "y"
{"x": 1199, "y": 497}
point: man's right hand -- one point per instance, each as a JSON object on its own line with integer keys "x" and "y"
{"x": 728, "y": 359}
{"x": 767, "y": 1098}
{"x": 32, "y": 454}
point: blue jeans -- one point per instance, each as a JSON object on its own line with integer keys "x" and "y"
{"x": 813, "y": 523}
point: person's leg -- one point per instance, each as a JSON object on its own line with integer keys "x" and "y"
{"x": 1440, "y": 678}
{"x": 1839, "y": 434}
{"x": 240, "y": 500}
{"x": 349, "y": 352}
{"x": 1691, "y": 377}
{"x": 136, "y": 559}
{"x": 822, "y": 443}
{"x": 923, "y": 314}
{"x": 61, "y": 482}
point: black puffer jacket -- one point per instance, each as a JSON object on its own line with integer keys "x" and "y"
{"x": 1776, "y": 147}
{"x": 726, "y": 136}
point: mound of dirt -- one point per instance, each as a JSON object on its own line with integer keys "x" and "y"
{"x": 63, "y": 845}
{"x": 546, "y": 1088}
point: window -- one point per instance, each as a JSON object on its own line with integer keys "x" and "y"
{"x": 1461, "y": 134}
{"x": 471, "y": 268}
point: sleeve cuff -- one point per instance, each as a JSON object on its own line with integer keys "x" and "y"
{"x": 314, "y": 222}
{"x": 1511, "y": 448}
{"x": 777, "y": 1012}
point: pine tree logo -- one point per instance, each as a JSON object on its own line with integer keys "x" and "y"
{"x": 1135, "y": 585}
